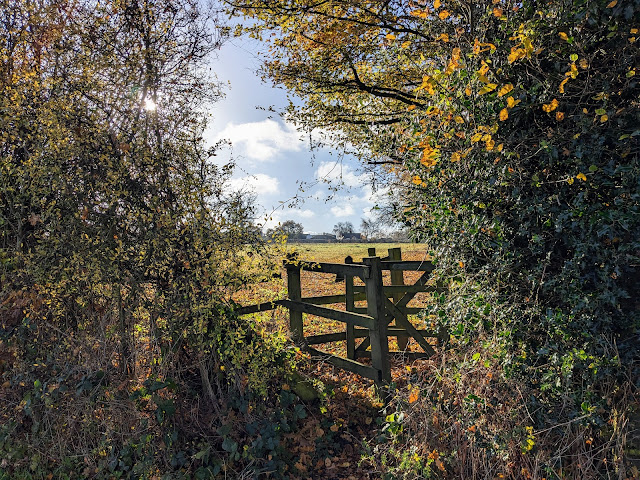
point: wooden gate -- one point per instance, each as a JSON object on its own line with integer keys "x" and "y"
{"x": 385, "y": 304}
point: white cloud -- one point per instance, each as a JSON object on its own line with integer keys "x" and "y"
{"x": 340, "y": 211}
{"x": 260, "y": 183}
{"x": 335, "y": 172}
{"x": 262, "y": 141}
{"x": 302, "y": 213}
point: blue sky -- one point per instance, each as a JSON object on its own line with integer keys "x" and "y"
{"x": 274, "y": 160}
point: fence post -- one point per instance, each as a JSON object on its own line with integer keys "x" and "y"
{"x": 294, "y": 290}
{"x": 350, "y": 306}
{"x": 376, "y": 309}
{"x": 397, "y": 278}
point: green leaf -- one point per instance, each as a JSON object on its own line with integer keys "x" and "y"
{"x": 228, "y": 445}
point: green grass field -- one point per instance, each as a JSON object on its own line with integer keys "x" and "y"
{"x": 336, "y": 252}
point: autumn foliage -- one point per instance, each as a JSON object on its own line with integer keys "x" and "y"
{"x": 509, "y": 131}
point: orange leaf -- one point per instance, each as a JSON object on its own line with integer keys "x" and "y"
{"x": 504, "y": 114}
{"x": 413, "y": 396}
{"x": 612, "y": 4}
{"x": 443, "y": 15}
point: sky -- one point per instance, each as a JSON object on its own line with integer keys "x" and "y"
{"x": 315, "y": 187}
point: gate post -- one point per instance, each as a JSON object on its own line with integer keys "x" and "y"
{"x": 376, "y": 309}
{"x": 294, "y": 290}
{"x": 397, "y": 278}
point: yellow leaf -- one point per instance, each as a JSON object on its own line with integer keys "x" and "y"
{"x": 604, "y": 118}
{"x": 562, "y": 84}
{"x": 476, "y": 137}
{"x": 490, "y": 87}
{"x": 420, "y": 13}
{"x": 436, "y": 4}
{"x": 511, "y": 102}
{"x": 497, "y": 12}
{"x": 581, "y": 176}
{"x": 516, "y": 54}
{"x": 551, "y": 106}
{"x": 563, "y": 36}
{"x": 390, "y": 36}
{"x": 461, "y": 264}
{"x": 584, "y": 64}
{"x": 443, "y": 15}
{"x": 416, "y": 180}
{"x": 504, "y": 114}
{"x": 455, "y": 157}
{"x": 559, "y": 116}
{"x": 500, "y": 147}
{"x": 483, "y": 69}
{"x": 573, "y": 73}
{"x": 585, "y": 111}
{"x": 612, "y": 4}
{"x": 444, "y": 37}
{"x": 504, "y": 90}
{"x": 405, "y": 44}
{"x": 458, "y": 119}
{"x": 455, "y": 54}
{"x": 467, "y": 91}
{"x": 411, "y": 107}
{"x": 633, "y": 31}
{"x": 570, "y": 181}
{"x": 429, "y": 156}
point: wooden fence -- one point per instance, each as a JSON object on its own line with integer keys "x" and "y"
{"x": 372, "y": 324}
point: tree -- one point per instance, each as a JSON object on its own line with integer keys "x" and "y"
{"x": 288, "y": 228}
{"x": 370, "y": 227}
{"x": 341, "y": 228}
{"x": 509, "y": 131}
{"x": 117, "y": 235}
